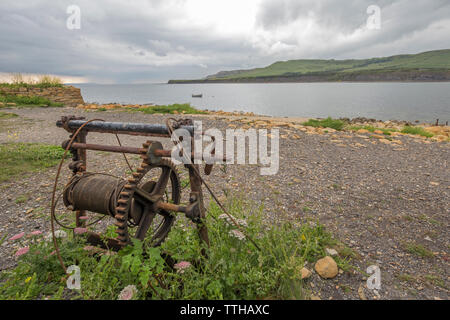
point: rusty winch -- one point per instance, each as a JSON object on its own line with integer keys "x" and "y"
{"x": 145, "y": 205}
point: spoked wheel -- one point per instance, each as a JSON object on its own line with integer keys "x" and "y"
{"x": 136, "y": 213}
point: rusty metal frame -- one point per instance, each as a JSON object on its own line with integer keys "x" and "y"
{"x": 195, "y": 211}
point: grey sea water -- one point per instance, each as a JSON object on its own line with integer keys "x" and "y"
{"x": 425, "y": 102}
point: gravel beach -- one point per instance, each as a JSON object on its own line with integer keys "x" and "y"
{"x": 376, "y": 196}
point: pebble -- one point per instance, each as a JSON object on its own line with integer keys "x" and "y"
{"x": 331, "y": 252}
{"x": 306, "y": 273}
{"x": 361, "y": 294}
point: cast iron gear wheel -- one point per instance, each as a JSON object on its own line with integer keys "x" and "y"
{"x": 128, "y": 197}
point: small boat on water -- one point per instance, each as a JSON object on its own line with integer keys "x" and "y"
{"x": 197, "y": 95}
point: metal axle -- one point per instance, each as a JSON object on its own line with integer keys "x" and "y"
{"x": 121, "y": 127}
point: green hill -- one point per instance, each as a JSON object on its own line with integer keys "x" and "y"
{"x": 426, "y": 66}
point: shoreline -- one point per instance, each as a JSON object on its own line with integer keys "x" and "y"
{"x": 384, "y": 130}
{"x": 237, "y": 114}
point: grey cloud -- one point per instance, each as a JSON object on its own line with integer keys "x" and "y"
{"x": 142, "y": 41}
{"x": 401, "y": 19}
{"x": 342, "y": 15}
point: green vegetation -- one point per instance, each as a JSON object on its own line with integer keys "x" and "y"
{"x": 325, "y": 123}
{"x": 404, "y": 277}
{"x": 170, "y": 109}
{"x": 234, "y": 269}
{"x": 346, "y": 252}
{"x": 30, "y": 85}
{"x": 19, "y": 158}
{"x": 7, "y": 115}
{"x": 430, "y": 279}
{"x": 21, "y": 199}
{"x": 3, "y": 239}
{"x": 342, "y": 125}
{"x": 371, "y": 129}
{"x": 417, "y": 130}
{"x": 417, "y": 250}
{"x": 24, "y": 101}
{"x": 439, "y": 59}
{"x": 18, "y": 81}
{"x": 425, "y": 218}
{"x": 335, "y": 70}
{"x": 436, "y": 280}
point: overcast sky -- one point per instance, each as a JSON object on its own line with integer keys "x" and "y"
{"x": 151, "y": 41}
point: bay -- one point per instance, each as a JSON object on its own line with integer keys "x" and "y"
{"x": 409, "y": 101}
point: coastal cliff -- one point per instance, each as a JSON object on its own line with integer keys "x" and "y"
{"x": 427, "y": 66}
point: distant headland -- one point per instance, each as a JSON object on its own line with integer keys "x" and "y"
{"x": 426, "y": 66}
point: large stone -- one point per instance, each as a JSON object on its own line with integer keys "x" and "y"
{"x": 326, "y": 267}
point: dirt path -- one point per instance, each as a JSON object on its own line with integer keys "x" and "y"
{"x": 388, "y": 202}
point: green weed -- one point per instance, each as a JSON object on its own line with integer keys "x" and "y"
{"x": 233, "y": 269}
{"x": 19, "y": 158}
{"x": 7, "y": 115}
{"x": 325, "y": 123}
{"x": 417, "y": 131}
{"x": 417, "y": 250}
{"x": 28, "y": 101}
{"x": 185, "y": 108}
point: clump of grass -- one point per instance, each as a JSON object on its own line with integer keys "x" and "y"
{"x": 185, "y": 108}
{"x": 417, "y": 250}
{"x": 7, "y": 115}
{"x": 386, "y": 131}
{"x": 417, "y": 131}
{"x": 21, "y": 101}
{"x": 17, "y": 78}
{"x": 346, "y": 252}
{"x": 43, "y": 81}
{"x": 49, "y": 81}
{"x": 435, "y": 280}
{"x": 404, "y": 277}
{"x": 21, "y": 199}
{"x": 325, "y": 123}
{"x": 30, "y": 85}
{"x": 233, "y": 269}
{"x": 19, "y": 158}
